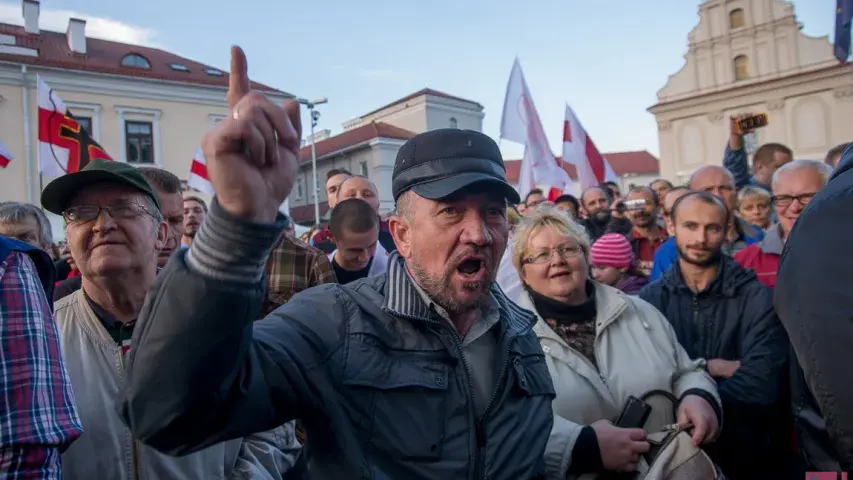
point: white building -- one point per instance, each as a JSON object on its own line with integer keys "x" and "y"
{"x": 749, "y": 56}
{"x": 368, "y": 145}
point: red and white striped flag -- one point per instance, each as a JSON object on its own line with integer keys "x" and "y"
{"x": 580, "y": 151}
{"x": 5, "y": 156}
{"x": 64, "y": 146}
{"x": 521, "y": 124}
{"x": 198, "y": 174}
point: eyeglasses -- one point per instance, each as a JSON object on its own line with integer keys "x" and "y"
{"x": 563, "y": 251}
{"x": 87, "y": 213}
{"x": 787, "y": 200}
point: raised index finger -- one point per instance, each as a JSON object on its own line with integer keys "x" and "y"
{"x": 238, "y": 81}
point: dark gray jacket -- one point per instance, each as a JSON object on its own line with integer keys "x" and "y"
{"x": 377, "y": 378}
{"x": 814, "y": 300}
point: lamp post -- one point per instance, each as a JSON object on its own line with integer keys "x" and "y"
{"x": 315, "y": 115}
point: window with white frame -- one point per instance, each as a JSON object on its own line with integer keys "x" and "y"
{"x": 87, "y": 115}
{"x": 362, "y": 166}
{"x": 299, "y": 189}
{"x": 139, "y": 141}
{"x": 453, "y": 123}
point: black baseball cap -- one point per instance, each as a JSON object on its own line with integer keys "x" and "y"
{"x": 439, "y": 163}
{"x": 58, "y": 193}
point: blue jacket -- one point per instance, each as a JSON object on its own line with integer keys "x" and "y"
{"x": 667, "y": 254}
{"x": 736, "y": 162}
{"x": 44, "y": 264}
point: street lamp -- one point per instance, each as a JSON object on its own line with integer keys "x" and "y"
{"x": 315, "y": 116}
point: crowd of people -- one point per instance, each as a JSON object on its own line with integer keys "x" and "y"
{"x": 469, "y": 334}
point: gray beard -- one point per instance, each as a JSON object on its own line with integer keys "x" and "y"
{"x": 440, "y": 292}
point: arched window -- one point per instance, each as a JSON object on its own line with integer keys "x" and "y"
{"x": 737, "y": 19}
{"x": 135, "y": 60}
{"x": 741, "y": 67}
{"x": 453, "y": 123}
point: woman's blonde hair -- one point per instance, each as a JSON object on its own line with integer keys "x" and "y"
{"x": 752, "y": 193}
{"x": 549, "y": 217}
{"x": 512, "y": 216}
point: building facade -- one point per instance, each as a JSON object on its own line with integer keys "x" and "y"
{"x": 143, "y": 105}
{"x": 368, "y": 145}
{"x": 750, "y": 56}
{"x": 631, "y": 169}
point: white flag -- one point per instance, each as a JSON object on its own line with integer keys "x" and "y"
{"x": 198, "y": 174}
{"x": 64, "y": 146}
{"x": 580, "y": 151}
{"x": 521, "y": 124}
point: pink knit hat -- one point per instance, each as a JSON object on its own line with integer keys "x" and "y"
{"x": 611, "y": 250}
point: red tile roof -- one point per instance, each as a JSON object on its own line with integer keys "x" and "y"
{"x": 425, "y": 91}
{"x": 103, "y": 56}
{"x": 623, "y": 163}
{"x": 305, "y": 213}
{"x": 355, "y": 136}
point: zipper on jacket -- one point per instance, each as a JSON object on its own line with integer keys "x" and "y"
{"x": 481, "y": 422}
{"x": 704, "y": 327}
{"x": 134, "y": 453}
{"x": 460, "y": 351}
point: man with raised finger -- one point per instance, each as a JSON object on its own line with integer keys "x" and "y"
{"x": 425, "y": 372}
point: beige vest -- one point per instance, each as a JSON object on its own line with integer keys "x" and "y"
{"x": 106, "y": 449}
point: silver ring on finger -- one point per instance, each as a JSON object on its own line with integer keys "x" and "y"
{"x": 235, "y": 114}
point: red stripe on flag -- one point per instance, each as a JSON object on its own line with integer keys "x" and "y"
{"x": 554, "y": 194}
{"x": 199, "y": 169}
{"x": 596, "y": 161}
{"x": 567, "y": 132}
{"x": 4, "y": 162}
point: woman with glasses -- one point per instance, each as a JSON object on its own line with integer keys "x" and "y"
{"x": 601, "y": 346}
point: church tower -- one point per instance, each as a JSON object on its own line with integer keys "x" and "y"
{"x": 751, "y": 56}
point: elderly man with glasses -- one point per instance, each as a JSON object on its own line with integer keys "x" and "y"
{"x": 115, "y": 229}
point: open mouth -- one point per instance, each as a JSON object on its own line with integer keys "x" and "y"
{"x": 472, "y": 269}
{"x": 560, "y": 274}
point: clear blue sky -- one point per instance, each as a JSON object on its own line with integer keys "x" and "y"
{"x": 606, "y": 58}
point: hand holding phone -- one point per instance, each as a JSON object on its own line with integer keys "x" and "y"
{"x": 634, "y": 414}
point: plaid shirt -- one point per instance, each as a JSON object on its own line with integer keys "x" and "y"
{"x": 294, "y": 266}
{"x": 38, "y": 418}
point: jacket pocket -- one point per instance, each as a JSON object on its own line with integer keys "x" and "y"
{"x": 530, "y": 376}
{"x": 399, "y": 398}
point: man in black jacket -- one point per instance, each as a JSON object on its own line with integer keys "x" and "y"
{"x": 427, "y": 372}
{"x": 599, "y": 220}
{"x": 814, "y": 300}
{"x": 720, "y": 312}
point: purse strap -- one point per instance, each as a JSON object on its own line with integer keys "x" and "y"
{"x": 667, "y": 395}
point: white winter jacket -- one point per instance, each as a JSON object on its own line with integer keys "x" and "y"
{"x": 636, "y": 351}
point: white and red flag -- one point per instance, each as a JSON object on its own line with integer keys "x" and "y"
{"x": 5, "y": 156}
{"x": 198, "y": 174}
{"x": 64, "y": 146}
{"x": 521, "y": 124}
{"x": 579, "y": 150}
